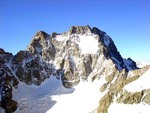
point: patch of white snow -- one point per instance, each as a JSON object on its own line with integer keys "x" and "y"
{"x": 84, "y": 99}
{"x": 139, "y": 84}
{"x": 88, "y": 44}
{"x": 128, "y": 108}
{"x": 37, "y": 99}
{"x": 52, "y": 97}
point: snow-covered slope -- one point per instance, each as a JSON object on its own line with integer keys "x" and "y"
{"x": 128, "y": 108}
{"x": 37, "y": 99}
{"x": 84, "y": 99}
{"x": 140, "y": 84}
{"x": 52, "y": 97}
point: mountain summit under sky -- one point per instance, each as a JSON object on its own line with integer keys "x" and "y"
{"x": 78, "y": 71}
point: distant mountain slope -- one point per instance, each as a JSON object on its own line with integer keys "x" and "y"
{"x": 141, "y": 64}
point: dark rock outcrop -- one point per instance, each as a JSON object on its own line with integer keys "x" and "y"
{"x": 80, "y": 29}
{"x": 7, "y": 81}
{"x": 32, "y": 69}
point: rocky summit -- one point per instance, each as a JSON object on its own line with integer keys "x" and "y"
{"x": 80, "y": 55}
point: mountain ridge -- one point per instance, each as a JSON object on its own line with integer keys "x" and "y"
{"x": 81, "y": 54}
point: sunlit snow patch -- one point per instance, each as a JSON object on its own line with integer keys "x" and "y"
{"x": 52, "y": 97}
{"x": 84, "y": 99}
{"x": 128, "y": 108}
{"x": 37, "y": 99}
{"x": 139, "y": 84}
{"x": 88, "y": 44}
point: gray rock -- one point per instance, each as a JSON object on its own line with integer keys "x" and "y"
{"x": 7, "y": 81}
{"x": 146, "y": 98}
{"x": 80, "y": 29}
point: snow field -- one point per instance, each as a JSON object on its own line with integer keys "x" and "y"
{"x": 84, "y": 99}
{"x": 128, "y": 108}
{"x": 139, "y": 84}
{"x": 52, "y": 97}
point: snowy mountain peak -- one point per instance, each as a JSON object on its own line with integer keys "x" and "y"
{"x": 77, "y": 53}
{"x": 88, "y": 31}
{"x": 77, "y": 41}
{"x": 81, "y": 54}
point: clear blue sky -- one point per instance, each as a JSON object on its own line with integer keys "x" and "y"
{"x": 127, "y": 22}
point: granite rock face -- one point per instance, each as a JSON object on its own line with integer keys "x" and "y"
{"x": 116, "y": 93}
{"x": 66, "y": 52}
{"x": 80, "y": 30}
{"x": 81, "y": 54}
{"x": 31, "y": 69}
